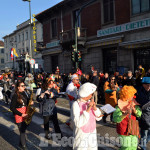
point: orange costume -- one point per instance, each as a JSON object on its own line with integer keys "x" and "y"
{"x": 110, "y": 94}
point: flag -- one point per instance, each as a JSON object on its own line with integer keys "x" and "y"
{"x": 13, "y": 53}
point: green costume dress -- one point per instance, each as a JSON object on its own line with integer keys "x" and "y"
{"x": 127, "y": 142}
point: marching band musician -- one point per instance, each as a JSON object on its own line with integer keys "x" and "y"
{"x": 47, "y": 99}
{"x": 110, "y": 88}
{"x": 84, "y": 115}
{"x": 18, "y": 106}
{"x": 72, "y": 89}
{"x": 125, "y": 116}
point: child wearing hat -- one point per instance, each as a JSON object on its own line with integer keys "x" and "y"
{"x": 84, "y": 114}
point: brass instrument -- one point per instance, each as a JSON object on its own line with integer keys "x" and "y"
{"x": 30, "y": 110}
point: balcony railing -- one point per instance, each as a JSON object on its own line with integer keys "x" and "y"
{"x": 69, "y": 35}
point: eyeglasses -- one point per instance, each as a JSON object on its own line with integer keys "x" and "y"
{"x": 22, "y": 85}
{"x": 112, "y": 79}
{"x": 76, "y": 79}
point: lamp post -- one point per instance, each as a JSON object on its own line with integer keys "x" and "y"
{"x": 76, "y": 31}
{"x": 30, "y": 52}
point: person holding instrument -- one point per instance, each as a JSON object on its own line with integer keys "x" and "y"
{"x": 18, "y": 106}
{"x": 125, "y": 116}
{"x": 47, "y": 98}
{"x": 84, "y": 114}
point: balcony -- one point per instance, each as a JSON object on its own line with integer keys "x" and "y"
{"x": 69, "y": 36}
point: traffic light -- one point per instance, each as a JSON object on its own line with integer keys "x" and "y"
{"x": 74, "y": 47}
{"x": 73, "y": 56}
{"x": 79, "y": 56}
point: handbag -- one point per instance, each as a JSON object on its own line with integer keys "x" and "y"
{"x": 18, "y": 118}
{"x": 133, "y": 126}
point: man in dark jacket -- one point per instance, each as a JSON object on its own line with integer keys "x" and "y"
{"x": 130, "y": 79}
{"x": 143, "y": 98}
{"x": 95, "y": 81}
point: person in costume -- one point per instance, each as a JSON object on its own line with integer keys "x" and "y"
{"x": 19, "y": 103}
{"x": 84, "y": 114}
{"x": 127, "y": 105}
{"x": 110, "y": 88}
{"x": 72, "y": 89}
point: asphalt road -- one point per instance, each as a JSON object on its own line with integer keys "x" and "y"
{"x": 9, "y": 135}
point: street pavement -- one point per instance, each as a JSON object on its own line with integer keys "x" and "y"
{"x": 9, "y": 135}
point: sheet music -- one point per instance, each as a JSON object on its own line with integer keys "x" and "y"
{"x": 108, "y": 109}
{"x": 62, "y": 93}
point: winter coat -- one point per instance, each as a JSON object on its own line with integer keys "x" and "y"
{"x": 47, "y": 103}
{"x": 110, "y": 95}
{"x": 143, "y": 98}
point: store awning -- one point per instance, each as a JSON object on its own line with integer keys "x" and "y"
{"x": 52, "y": 51}
{"x": 135, "y": 44}
{"x": 105, "y": 41}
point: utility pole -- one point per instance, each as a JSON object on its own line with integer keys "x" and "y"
{"x": 76, "y": 31}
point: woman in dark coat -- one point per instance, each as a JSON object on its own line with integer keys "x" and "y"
{"x": 48, "y": 109}
{"x": 18, "y": 106}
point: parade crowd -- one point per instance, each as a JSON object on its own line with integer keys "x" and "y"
{"x": 129, "y": 94}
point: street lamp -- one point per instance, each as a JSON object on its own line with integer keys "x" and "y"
{"x": 30, "y": 53}
{"x": 30, "y": 26}
{"x": 76, "y": 28}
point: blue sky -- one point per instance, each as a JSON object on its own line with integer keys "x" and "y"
{"x": 13, "y": 12}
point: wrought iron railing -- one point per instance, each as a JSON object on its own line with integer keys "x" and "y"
{"x": 69, "y": 35}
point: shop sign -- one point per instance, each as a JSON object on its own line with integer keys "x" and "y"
{"x": 124, "y": 27}
{"x": 52, "y": 44}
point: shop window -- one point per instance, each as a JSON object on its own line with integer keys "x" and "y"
{"x": 141, "y": 57}
{"x": 108, "y": 7}
{"x": 54, "y": 28}
{"x": 139, "y": 6}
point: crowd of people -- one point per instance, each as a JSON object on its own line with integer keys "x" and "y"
{"x": 129, "y": 94}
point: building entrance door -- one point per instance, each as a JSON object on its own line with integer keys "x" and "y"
{"x": 54, "y": 62}
{"x": 110, "y": 60}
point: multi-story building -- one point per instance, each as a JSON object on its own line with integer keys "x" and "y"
{"x": 2, "y": 60}
{"x": 112, "y": 34}
{"x": 21, "y": 39}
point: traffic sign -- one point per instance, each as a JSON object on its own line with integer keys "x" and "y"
{"x": 32, "y": 61}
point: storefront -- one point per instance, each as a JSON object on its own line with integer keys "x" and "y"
{"x": 132, "y": 50}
